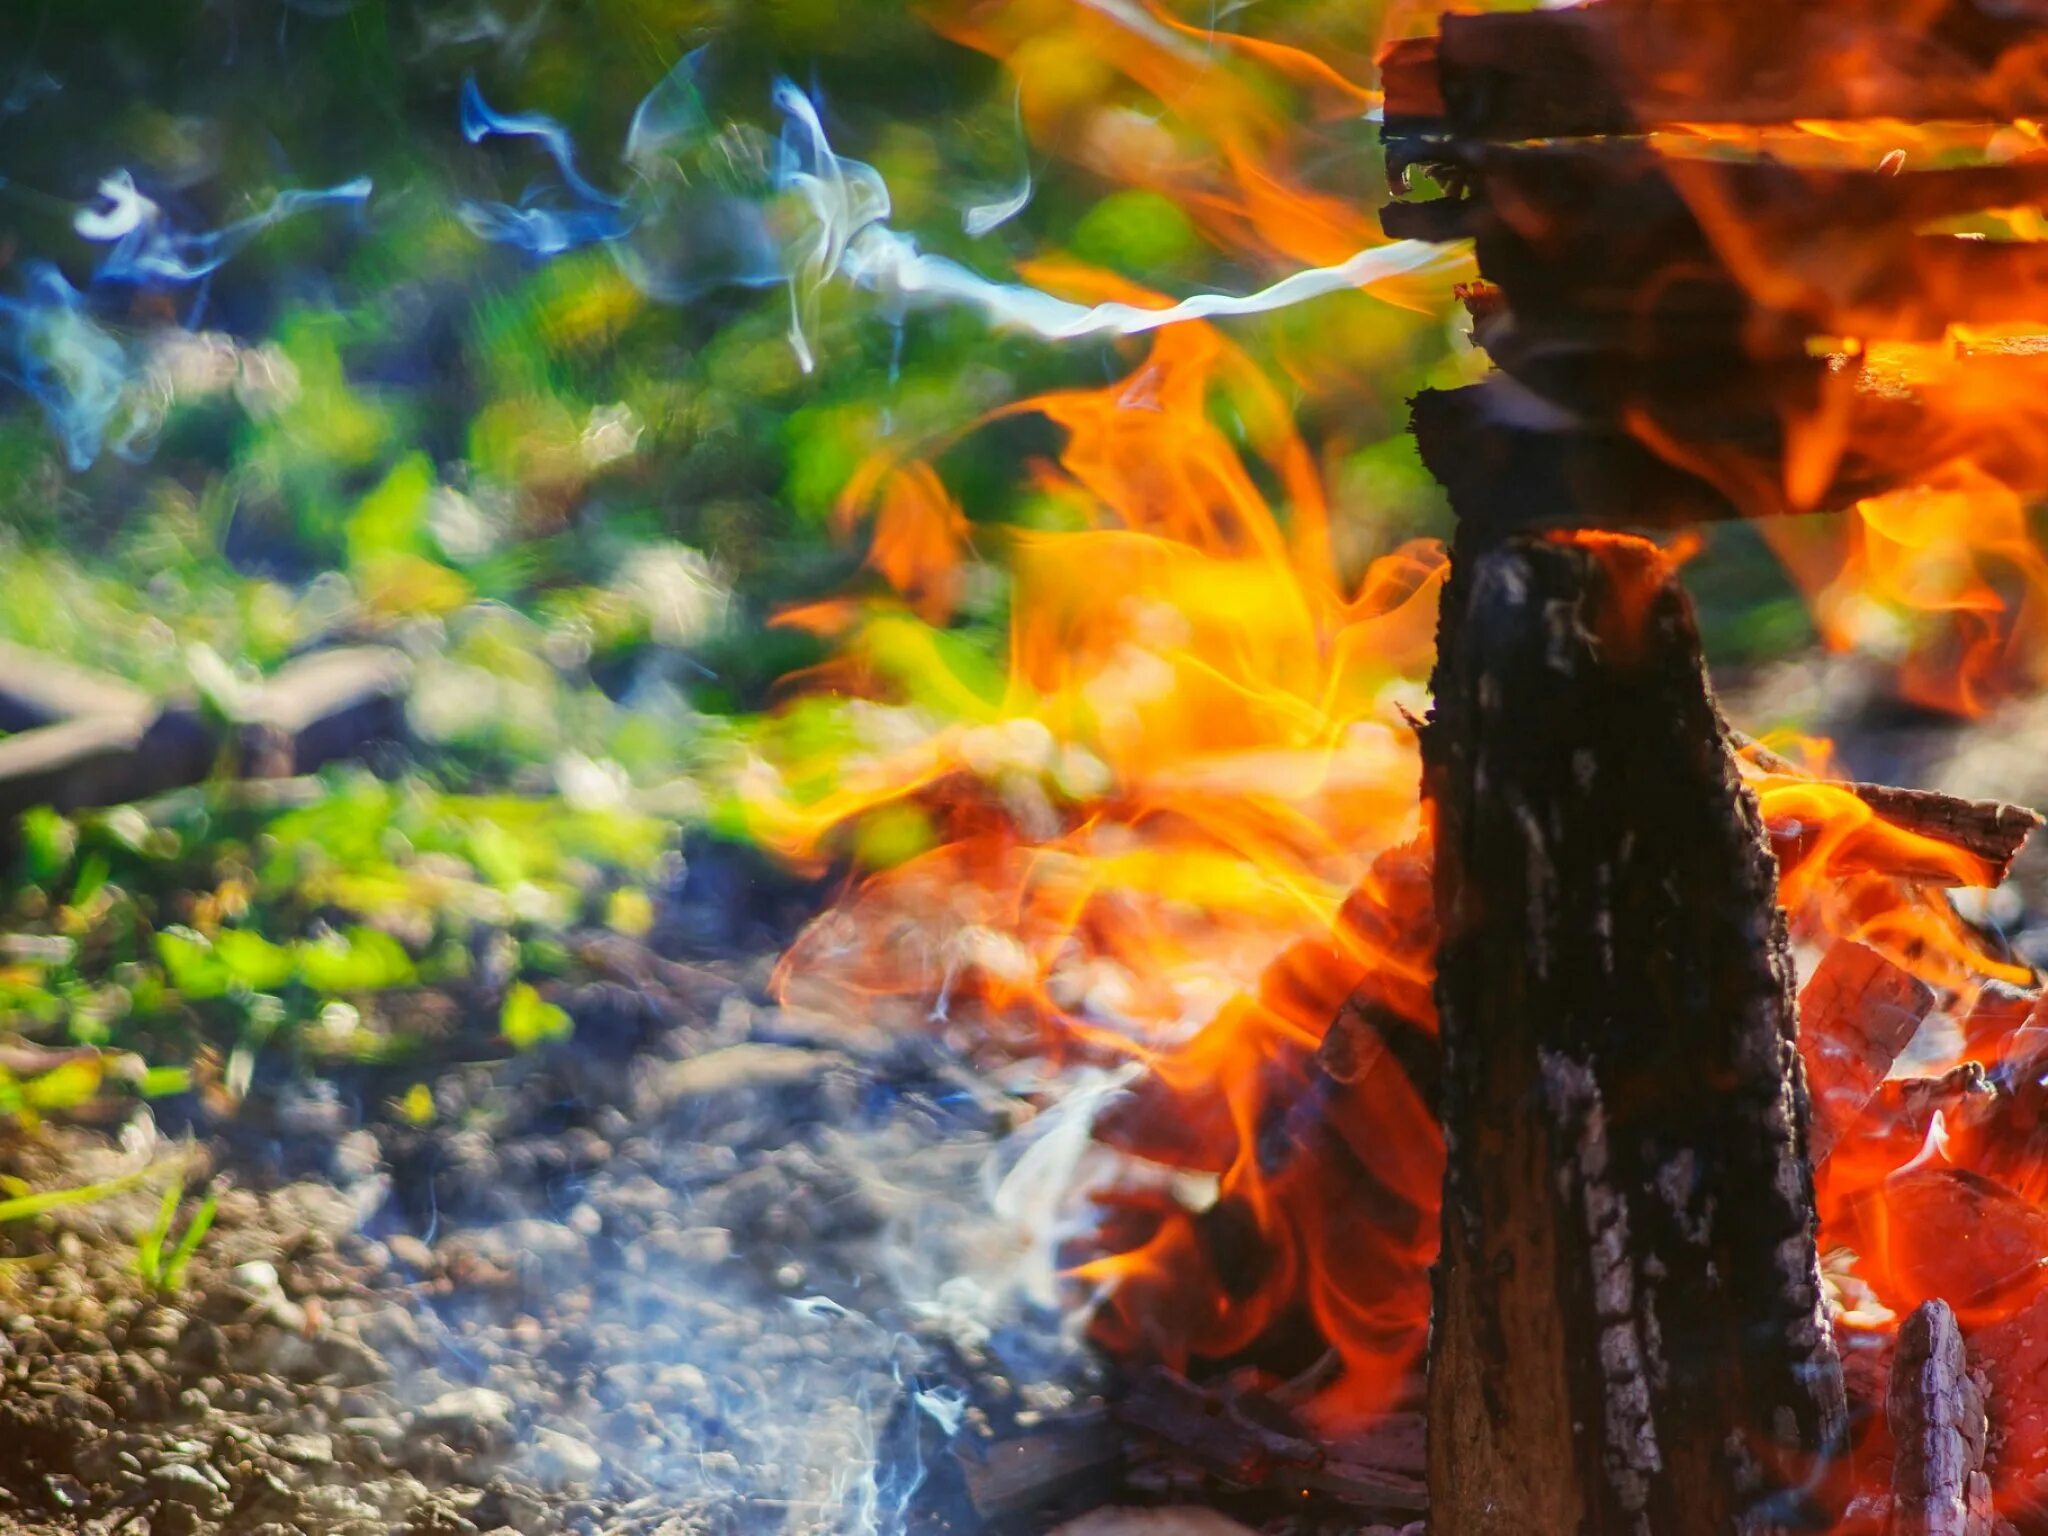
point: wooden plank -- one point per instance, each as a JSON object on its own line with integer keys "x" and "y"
{"x": 37, "y": 688}
{"x": 1510, "y": 458}
{"x": 1680, "y": 252}
{"x": 323, "y": 706}
{"x": 86, "y": 740}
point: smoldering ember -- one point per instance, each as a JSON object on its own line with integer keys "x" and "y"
{"x": 1004, "y": 767}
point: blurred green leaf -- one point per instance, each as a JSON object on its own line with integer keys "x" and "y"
{"x": 528, "y": 1020}
{"x": 359, "y": 960}
{"x": 190, "y": 963}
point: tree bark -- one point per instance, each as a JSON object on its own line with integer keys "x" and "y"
{"x": 1627, "y": 1333}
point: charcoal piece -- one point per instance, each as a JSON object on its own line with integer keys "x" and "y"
{"x": 1856, "y": 1014}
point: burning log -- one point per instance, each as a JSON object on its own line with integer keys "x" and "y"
{"x": 1516, "y": 460}
{"x": 1627, "y": 1331}
{"x": 1626, "y": 1334}
{"x": 1616, "y": 239}
{"x": 1617, "y": 68}
{"x": 1990, "y": 831}
{"x": 1936, "y": 1412}
{"x": 1043, "y": 1467}
{"x": 1856, "y": 1014}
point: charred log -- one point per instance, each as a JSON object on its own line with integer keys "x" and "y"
{"x": 1512, "y": 458}
{"x": 1659, "y": 254}
{"x": 1627, "y": 1333}
{"x": 1228, "y": 1437}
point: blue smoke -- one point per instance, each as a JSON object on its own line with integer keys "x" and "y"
{"x": 798, "y": 213}
{"x": 88, "y": 382}
{"x": 538, "y": 225}
{"x": 145, "y": 248}
{"x": 53, "y": 351}
{"x": 676, "y": 232}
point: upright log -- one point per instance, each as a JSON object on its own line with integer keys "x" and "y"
{"x": 1627, "y": 1334}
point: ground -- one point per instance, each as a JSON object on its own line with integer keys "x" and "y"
{"x": 683, "y": 1273}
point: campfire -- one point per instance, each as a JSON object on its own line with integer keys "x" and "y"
{"x": 1637, "y": 1139}
{"x": 1155, "y": 998}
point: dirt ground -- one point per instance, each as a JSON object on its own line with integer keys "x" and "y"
{"x": 689, "y": 1271}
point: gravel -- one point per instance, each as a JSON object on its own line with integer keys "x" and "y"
{"x": 686, "y": 1286}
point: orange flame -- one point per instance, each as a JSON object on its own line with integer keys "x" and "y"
{"x": 1181, "y": 832}
{"x": 1197, "y": 750}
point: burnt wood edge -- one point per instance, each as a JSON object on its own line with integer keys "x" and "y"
{"x": 1511, "y": 462}
{"x": 1935, "y": 1406}
{"x": 1993, "y": 831}
{"x": 1762, "y": 190}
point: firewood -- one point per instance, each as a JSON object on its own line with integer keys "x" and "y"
{"x": 1856, "y": 1014}
{"x": 1040, "y": 1467}
{"x": 84, "y": 740}
{"x": 1936, "y": 1411}
{"x": 324, "y": 706}
{"x": 1616, "y": 68}
{"x": 37, "y": 688}
{"x": 1616, "y": 241}
{"x": 1627, "y": 1329}
{"x": 1990, "y": 831}
{"x": 1242, "y": 1439}
{"x": 1212, "y": 1430}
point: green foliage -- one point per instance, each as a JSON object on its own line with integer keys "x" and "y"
{"x": 23, "y": 1205}
{"x": 1138, "y": 233}
{"x": 528, "y": 1020}
{"x": 165, "y": 1272}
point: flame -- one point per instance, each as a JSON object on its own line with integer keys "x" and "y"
{"x": 1197, "y": 751}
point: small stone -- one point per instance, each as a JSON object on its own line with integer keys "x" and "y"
{"x": 473, "y": 1418}
{"x": 177, "y": 1483}
{"x": 380, "y": 1429}
{"x": 389, "y": 1330}
{"x": 562, "y": 1461}
{"x": 306, "y": 1450}
{"x": 410, "y": 1253}
{"x": 258, "y": 1275}
{"x": 737, "y": 1068}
